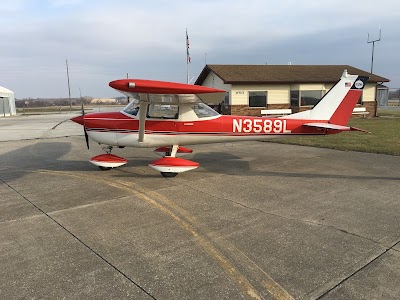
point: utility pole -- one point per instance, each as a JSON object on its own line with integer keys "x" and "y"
{"x": 373, "y": 47}
{"x": 69, "y": 88}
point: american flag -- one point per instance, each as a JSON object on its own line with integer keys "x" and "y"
{"x": 347, "y": 84}
{"x": 187, "y": 48}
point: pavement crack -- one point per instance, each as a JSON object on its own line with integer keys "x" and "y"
{"x": 81, "y": 241}
{"x": 54, "y": 127}
{"x": 341, "y": 230}
{"x": 285, "y": 217}
{"x": 386, "y": 249}
{"x": 44, "y": 138}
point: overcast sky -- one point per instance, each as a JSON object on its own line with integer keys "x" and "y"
{"x": 105, "y": 40}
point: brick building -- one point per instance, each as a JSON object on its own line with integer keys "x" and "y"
{"x": 252, "y": 88}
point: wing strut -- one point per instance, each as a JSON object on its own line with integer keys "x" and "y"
{"x": 142, "y": 115}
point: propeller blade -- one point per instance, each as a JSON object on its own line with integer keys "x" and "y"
{"x": 82, "y": 110}
{"x": 84, "y": 128}
{"x": 86, "y": 136}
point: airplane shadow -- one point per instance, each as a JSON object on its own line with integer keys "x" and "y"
{"x": 325, "y": 176}
{"x": 221, "y": 162}
{"x": 226, "y": 163}
{"x": 43, "y": 156}
{"x": 48, "y": 156}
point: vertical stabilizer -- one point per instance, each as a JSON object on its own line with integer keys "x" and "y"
{"x": 338, "y": 103}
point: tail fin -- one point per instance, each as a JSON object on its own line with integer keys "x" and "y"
{"x": 338, "y": 103}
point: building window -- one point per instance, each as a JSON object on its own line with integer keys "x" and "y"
{"x": 361, "y": 98}
{"x": 226, "y": 99}
{"x": 258, "y": 99}
{"x": 310, "y": 98}
{"x": 305, "y": 98}
{"x": 294, "y": 98}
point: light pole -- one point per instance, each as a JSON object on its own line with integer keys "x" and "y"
{"x": 69, "y": 88}
{"x": 373, "y": 47}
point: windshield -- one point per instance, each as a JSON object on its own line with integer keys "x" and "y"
{"x": 132, "y": 108}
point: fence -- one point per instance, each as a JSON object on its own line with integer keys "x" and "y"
{"x": 393, "y": 97}
{"x": 66, "y": 109}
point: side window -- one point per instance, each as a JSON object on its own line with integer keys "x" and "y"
{"x": 202, "y": 110}
{"x": 162, "y": 111}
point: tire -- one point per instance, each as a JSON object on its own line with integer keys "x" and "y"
{"x": 168, "y": 174}
{"x": 105, "y": 168}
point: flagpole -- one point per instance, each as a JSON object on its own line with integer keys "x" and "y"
{"x": 187, "y": 57}
{"x": 187, "y": 72}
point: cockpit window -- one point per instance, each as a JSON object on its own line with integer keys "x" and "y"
{"x": 169, "y": 111}
{"x": 203, "y": 111}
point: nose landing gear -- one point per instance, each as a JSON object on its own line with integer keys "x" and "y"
{"x": 108, "y": 161}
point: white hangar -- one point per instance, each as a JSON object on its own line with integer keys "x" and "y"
{"x": 7, "y": 102}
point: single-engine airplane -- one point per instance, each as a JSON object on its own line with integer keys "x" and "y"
{"x": 170, "y": 115}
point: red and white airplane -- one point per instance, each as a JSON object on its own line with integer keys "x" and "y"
{"x": 170, "y": 115}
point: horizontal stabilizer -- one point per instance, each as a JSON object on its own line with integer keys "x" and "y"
{"x": 334, "y": 127}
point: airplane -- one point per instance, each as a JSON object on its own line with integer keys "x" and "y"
{"x": 168, "y": 116}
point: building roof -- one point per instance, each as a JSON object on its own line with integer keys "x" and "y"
{"x": 6, "y": 93}
{"x": 251, "y": 74}
{"x": 4, "y": 90}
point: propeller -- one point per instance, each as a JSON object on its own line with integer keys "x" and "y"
{"x": 84, "y": 128}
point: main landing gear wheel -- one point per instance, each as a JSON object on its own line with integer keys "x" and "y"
{"x": 170, "y": 166}
{"x": 168, "y": 174}
{"x": 105, "y": 168}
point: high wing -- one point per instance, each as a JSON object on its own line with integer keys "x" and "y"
{"x": 154, "y": 91}
{"x": 333, "y": 127}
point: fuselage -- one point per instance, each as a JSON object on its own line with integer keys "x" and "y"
{"x": 122, "y": 129}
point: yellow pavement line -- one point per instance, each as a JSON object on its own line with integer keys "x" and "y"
{"x": 168, "y": 207}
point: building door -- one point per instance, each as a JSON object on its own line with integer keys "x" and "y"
{"x": 382, "y": 96}
{"x": 4, "y": 107}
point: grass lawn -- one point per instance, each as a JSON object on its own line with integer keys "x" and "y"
{"x": 389, "y": 113}
{"x": 384, "y": 137}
